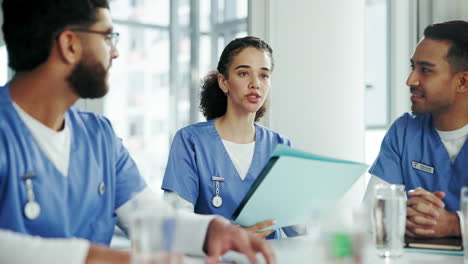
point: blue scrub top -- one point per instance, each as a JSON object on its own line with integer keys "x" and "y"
{"x": 197, "y": 153}
{"x": 414, "y": 138}
{"x": 71, "y": 206}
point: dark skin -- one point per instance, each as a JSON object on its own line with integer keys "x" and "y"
{"x": 427, "y": 217}
{"x": 104, "y": 255}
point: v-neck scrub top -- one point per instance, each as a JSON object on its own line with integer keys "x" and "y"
{"x": 197, "y": 153}
{"x": 412, "y": 154}
{"x": 101, "y": 178}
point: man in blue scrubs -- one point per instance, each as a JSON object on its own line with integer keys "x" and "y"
{"x": 65, "y": 177}
{"x": 426, "y": 150}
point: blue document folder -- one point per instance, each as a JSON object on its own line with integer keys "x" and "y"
{"x": 293, "y": 184}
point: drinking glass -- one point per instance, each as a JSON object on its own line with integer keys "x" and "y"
{"x": 464, "y": 209}
{"x": 152, "y": 234}
{"x": 388, "y": 215}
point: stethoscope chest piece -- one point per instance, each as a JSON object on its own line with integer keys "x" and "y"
{"x": 217, "y": 201}
{"x": 32, "y": 210}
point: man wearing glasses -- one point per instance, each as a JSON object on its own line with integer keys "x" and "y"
{"x": 65, "y": 177}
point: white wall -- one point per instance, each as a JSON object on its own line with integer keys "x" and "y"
{"x": 318, "y": 83}
{"x": 403, "y": 39}
{"x": 450, "y": 9}
{"x": 434, "y": 11}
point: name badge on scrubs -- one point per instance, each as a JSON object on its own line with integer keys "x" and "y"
{"x": 422, "y": 167}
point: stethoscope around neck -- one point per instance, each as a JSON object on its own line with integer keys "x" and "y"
{"x": 32, "y": 209}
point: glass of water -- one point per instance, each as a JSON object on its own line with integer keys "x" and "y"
{"x": 464, "y": 209}
{"x": 388, "y": 215}
{"x": 152, "y": 234}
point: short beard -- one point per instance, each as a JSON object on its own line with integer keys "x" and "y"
{"x": 88, "y": 79}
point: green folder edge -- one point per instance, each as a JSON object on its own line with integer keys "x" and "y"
{"x": 283, "y": 150}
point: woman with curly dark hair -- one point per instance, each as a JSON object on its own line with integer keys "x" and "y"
{"x": 213, "y": 164}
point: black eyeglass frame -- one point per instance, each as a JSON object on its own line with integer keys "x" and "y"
{"x": 112, "y": 36}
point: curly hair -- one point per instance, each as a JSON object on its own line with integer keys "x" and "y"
{"x": 213, "y": 102}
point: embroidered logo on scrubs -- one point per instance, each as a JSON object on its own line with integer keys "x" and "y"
{"x": 422, "y": 167}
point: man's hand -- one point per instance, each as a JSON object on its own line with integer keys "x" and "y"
{"x": 98, "y": 254}
{"x": 223, "y": 236}
{"x": 426, "y": 216}
{"x": 260, "y": 226}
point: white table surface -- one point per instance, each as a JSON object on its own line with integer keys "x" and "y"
{"x": 298, "y": 250}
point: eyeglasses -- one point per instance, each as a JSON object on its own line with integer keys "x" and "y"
{"x": 111, "y": 37}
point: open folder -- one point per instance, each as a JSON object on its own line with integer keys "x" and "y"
{"x": 293, "y": 184}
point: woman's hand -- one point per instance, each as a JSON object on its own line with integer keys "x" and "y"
{"x": 260, "y": 226}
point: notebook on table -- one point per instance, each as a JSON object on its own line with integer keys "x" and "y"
{"x": 444, "y": 243}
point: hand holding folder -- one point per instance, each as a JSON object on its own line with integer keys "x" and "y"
{"x": 293, "y": 183}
